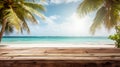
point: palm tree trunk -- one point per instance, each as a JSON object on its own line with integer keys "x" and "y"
{"x": 2, "y": 29}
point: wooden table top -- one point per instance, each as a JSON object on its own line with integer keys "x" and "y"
{"x": 37, "y": 53}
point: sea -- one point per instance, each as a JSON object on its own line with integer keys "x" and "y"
{"x": 55, "y": 39}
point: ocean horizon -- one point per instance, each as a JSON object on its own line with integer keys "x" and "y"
{"x": 56, "y": 39}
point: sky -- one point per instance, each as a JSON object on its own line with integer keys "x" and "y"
{"x": 62, "y": 20}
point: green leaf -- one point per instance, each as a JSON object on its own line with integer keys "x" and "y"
{"x": 88, "y": 6}
{"x": 98, "y": 20}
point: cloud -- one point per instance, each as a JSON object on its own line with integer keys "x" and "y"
{"x": 75, "y": 26}
{"x": 71, "y": 26}
{"x": 56, "y": 1}
{"x": 43, "y": 2}
{"x": 62, "y": 1}
{"x": 69, "y": 1}
{"x": 51, "y": 19}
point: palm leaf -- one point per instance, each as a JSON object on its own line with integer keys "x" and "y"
{"x": 1, "y": 5}
{"x": 88, "y": 6}
{"x": 32, "y": 11}
{"x": 21, "y": 12}
{"x": 108, "y": 13}
{"x": 13, "y": 19}
{"x": 112, "y": 15}
{"x": 115, "y": 17}
{"x": 8, "y": 29}
{"x": 115, "y": 12}
{"x": 35, "y": 6}
{"x": 24, "y": 24}
{"x": 99, "y": 19}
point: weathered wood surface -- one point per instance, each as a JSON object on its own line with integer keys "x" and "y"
{"x": 51, "y": 63}
{"x": 59, "y": 57}
{"x": 59, "y": 53}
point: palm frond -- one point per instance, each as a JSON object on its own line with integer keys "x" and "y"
{"x": 115, "y": 16}
{"x": 99, "y": 19}
{"x": 1, "y": 5}
{"x": 26, "y": 27}
{"x": 21, "y": 12}
{"x": 24, "y": 24}
{"x": 88, "y": 6}
{"x": 35, "y": 6}
{"x": 116, "y": 8}
{"x": 32, "y": 11}
{"x": 108, "y": 13}
{"x": 112, "y": 16}
{"x": 13, "y": 19}
{"x": 18, "y": 13}
{"x": 8, "y": 29}
{"x": 22, "y": 18}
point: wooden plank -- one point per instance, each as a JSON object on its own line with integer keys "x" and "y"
{"x": 84, "y": 50}
{"x": 63, "y": 50}
{"x": 60, "y": 58}
{"x": 62, "y": 55}
{"x": 59, "y": 63}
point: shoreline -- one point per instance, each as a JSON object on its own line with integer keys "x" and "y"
{"x": 63, "y": 45}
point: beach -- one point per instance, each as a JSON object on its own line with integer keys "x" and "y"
{"x": 57, "y": 41}
{"x": 73, "y": 45}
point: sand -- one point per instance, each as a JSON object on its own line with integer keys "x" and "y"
{"x": 75, "y": 45}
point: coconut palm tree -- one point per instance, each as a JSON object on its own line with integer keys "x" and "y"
{"x": 107, "y": 13}
{"x": 15, "y": 14}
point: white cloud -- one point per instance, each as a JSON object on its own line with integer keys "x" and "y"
{"x": 57, "y": 1}
{"x": 72, "y": 26}
{"x": 69, "y": 1}
{"x": 43, "y": 2}
{"x": 76, "y": 26}
{"x": 51, "y": 19}
{"x": 63, "y": 1}
{"x": 54, "y": 17}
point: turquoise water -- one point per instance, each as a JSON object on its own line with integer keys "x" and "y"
{"x": 54, "y": 39}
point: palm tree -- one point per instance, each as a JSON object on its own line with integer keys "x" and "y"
{"x": 15, "y": 14}
{"x": 108, "y": 13}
